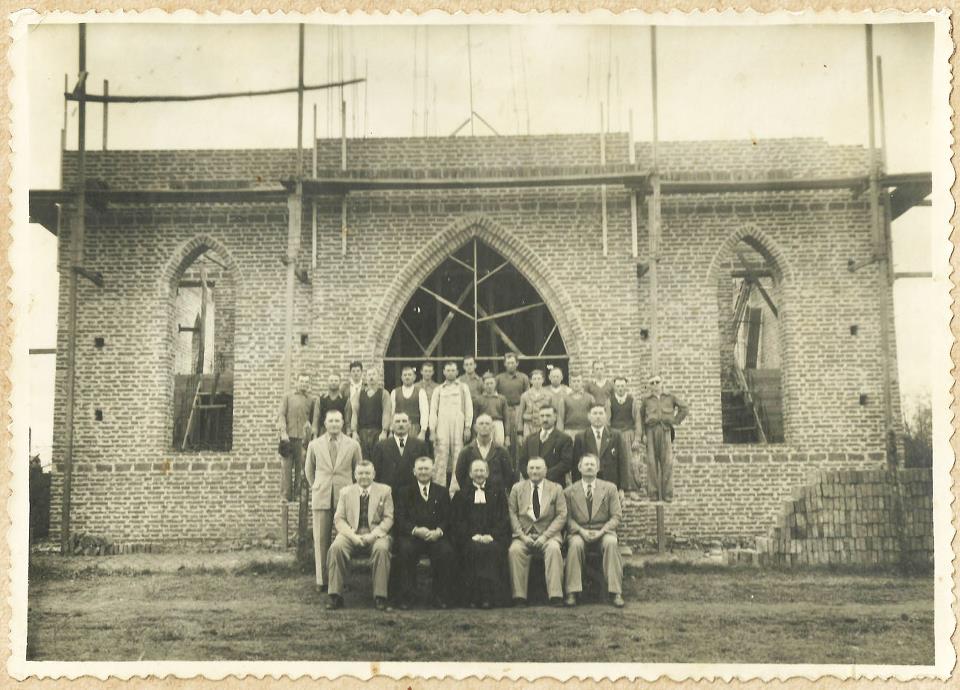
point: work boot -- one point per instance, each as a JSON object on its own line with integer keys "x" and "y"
{"x": 335, "y": 602}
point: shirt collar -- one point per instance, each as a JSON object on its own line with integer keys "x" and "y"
{"x": 480, "y": 487}
{"x": 619, "y": 399}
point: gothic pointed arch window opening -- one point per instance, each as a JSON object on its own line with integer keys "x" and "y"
{"x": 476, "y": 302}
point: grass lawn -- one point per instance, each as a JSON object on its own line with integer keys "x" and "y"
{"x": 674, "y": 613}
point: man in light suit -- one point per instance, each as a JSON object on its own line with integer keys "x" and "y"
{"x": 331, "y": 459}
{"x": 538, "y": 513}
{"x": 605, "y": 444}
{"x": 393, "y": 456}
{"x": 593, "y": 515}
{"x": 363, "y": 520}
{"x": 551, "y": 444}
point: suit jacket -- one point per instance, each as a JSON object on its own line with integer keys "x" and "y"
{"x": 553, "y": 509}
{"x": 494, "y": 520}
{"x": 610, "y": 454}
{"x": 328, "y": 475}
{"x": 392, "y": 468}
{"x": 413, "y": 511}
{"x": 606, "y": 513}
{"x": 501, "y": 470}
{"x": 556, "y": 450}
{"x": 379, "y": 511}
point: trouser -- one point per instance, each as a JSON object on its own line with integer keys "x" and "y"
{"x": 443, "y": 562}
{"x": 513, "y": 425}
{"x": 338, "y": 559}
{"x": 368, "y": 439}
{"x": 659, "y": 462}
{"x": 612, "y": 565}
{"x": 447, "y": 444}
{"x": 322, "y": 526}
{"x": 519, "y": 558}
{"x": 291, "y": 470}
{"x": 630, "y": 462}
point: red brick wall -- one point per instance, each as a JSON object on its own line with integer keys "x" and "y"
{"x": 130, "y": 484}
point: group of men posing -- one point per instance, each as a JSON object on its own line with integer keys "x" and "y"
{"x": 471, "y": 471}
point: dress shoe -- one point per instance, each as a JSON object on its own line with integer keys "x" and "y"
{"x": 322, "y": 588}
{"x": 519, "y": 602}
{"x": 617, "y": 601}
{"x": 381, "y": 604}
{"x": 404, "y": 605}
{"x": 335, "y": 602}
{"x": 571, "y": 599}
{"x": 485, "y": 605}
{"x": 556, "y": 601}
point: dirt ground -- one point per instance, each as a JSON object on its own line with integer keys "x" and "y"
{"x": 251, "y": 608}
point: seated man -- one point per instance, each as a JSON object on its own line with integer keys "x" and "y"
{"x": 593, "y": 515}
{"x": 481, "y": 526}
{"x": 538, "y": 513}
{"x": 363, "y": 520}
{"x": 423, "y": 521}
{"x": 485, "y": 447}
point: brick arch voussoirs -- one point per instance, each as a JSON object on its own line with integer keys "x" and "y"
{"x": 432, "y": 254}
{"x": 756, "y": 236}
{"x": 184, "y": 255}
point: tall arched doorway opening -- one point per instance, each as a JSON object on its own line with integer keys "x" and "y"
{"x": 475, "y": 303}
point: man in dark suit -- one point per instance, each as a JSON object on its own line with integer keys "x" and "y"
{"x": 423, "y": 527}
{"x": 555, "y": 447}
{"x": 605, "y": 443}
{"x": 393, "y": 456}
{"x": 484, "y": 447}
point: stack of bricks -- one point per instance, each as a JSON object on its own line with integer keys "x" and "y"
{"x": 851, "y": 517}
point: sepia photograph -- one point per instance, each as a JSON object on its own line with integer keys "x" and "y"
{"x": 515, "y": 346}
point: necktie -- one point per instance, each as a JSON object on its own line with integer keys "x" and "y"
{"x": 599, "y": 436}
{"x": 425, "y": 490}
{"x": 402, "y": 441}
{"x": 536, "y": 501}
{"x": 589, "y": 500}
{"x": 543, "y": 436}
{"x": 333, "y": 449}
{"x": 364, "y": 510}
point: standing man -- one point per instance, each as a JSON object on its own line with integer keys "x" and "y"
{"x": 451, "y": 415}
{"x": 411, "y": 399}
{"x": 624, "y": 416}
{"x": 351, "y": 390}
{"x": 481, "y": 523}
{"x": 593, "y": 515}
{"x": 601, "y": 388}
{"x": 470, "y": 378}
{"x": 331, "y": 459}
{"x": 576, "y": 408}
{"x": 332, "y": 399}
{"x": 423, "y": 527}
{"x": 492, "y": 403}
{"x": 295, "y": 427}
{"x": 558, "y": 393}
{"x": 511, "y": 384}
{"x": 371, "y": 410}
{"x": 660, "y": 412}
{"x": 551, "y": 445}
{"x": 393, "y": 456}
{"x": 364, "y": 518}
{"x": 484, "y": 447}
{"x": 427, "y": 385}
{"x": 604, "y": 443}
{"x": 538, "y": 512}
{"x": 531, "y": 402}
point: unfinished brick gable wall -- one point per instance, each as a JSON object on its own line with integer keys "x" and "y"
{"x": 130, "y": 484}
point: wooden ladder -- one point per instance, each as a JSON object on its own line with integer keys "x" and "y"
{"x": 751, "y": 403}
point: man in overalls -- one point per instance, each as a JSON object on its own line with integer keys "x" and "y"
{"x": 451, "y": 416}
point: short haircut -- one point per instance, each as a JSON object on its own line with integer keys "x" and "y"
{"x": 365, "y": 463}
{"x": 591, "y": 456}
{"x": 535, "y": 372}
{"x": 356, "y": 364}
{"x": 427, "y": 364}
{"x": 553, "y": 369}
{"x": 575, "y": 375}
{"x": 548, "y": 406}
{"x": 536, "y": 458}
{"x": 469, "y": 358}
{"x": 332, "y": 410}
{"x": 482, "y": 414}
{"x": 449, "y": 363}
{"x": 423, "y": 458}
{"x": 476, "y": 460}
{"x": 619, "y": 378}
{"x": 598, "y": 404}
{"x": 397, "y": 413}
{"x": 408, "y": 367}
{"x": 489, "y": 375}
{"x": 510, "y": 355}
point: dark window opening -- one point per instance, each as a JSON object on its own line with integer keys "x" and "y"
{"x": 203, "y": 360}
{"x": 475, "y": 303}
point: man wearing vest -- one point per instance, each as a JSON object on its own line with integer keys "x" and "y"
{"x": 331, "y": 400}
{"x": 451, "y": 416}
{"x": 371, "y": 410}
{"x": 624, "y": 416}
{"x": 412, "y": 400}
{"x": 660, "y": 412}
{"x": 363, "y": 519}
{"x": 351, "y": 389}
{"x": 593, "y": 515}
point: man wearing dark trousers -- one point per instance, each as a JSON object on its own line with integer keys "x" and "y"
{"x": 603, "y": 442}
{"x": 554, "y": 446}
{"x": 484, "y": 447}
{"x": 423, "y": 526}
{"x": 393, "y": 456}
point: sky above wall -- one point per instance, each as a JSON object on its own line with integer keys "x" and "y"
{"x": 713, "y": 82}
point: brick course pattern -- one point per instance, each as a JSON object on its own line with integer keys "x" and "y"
{"x": 851, "y": 517}
{"x": 130, "y": 484}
